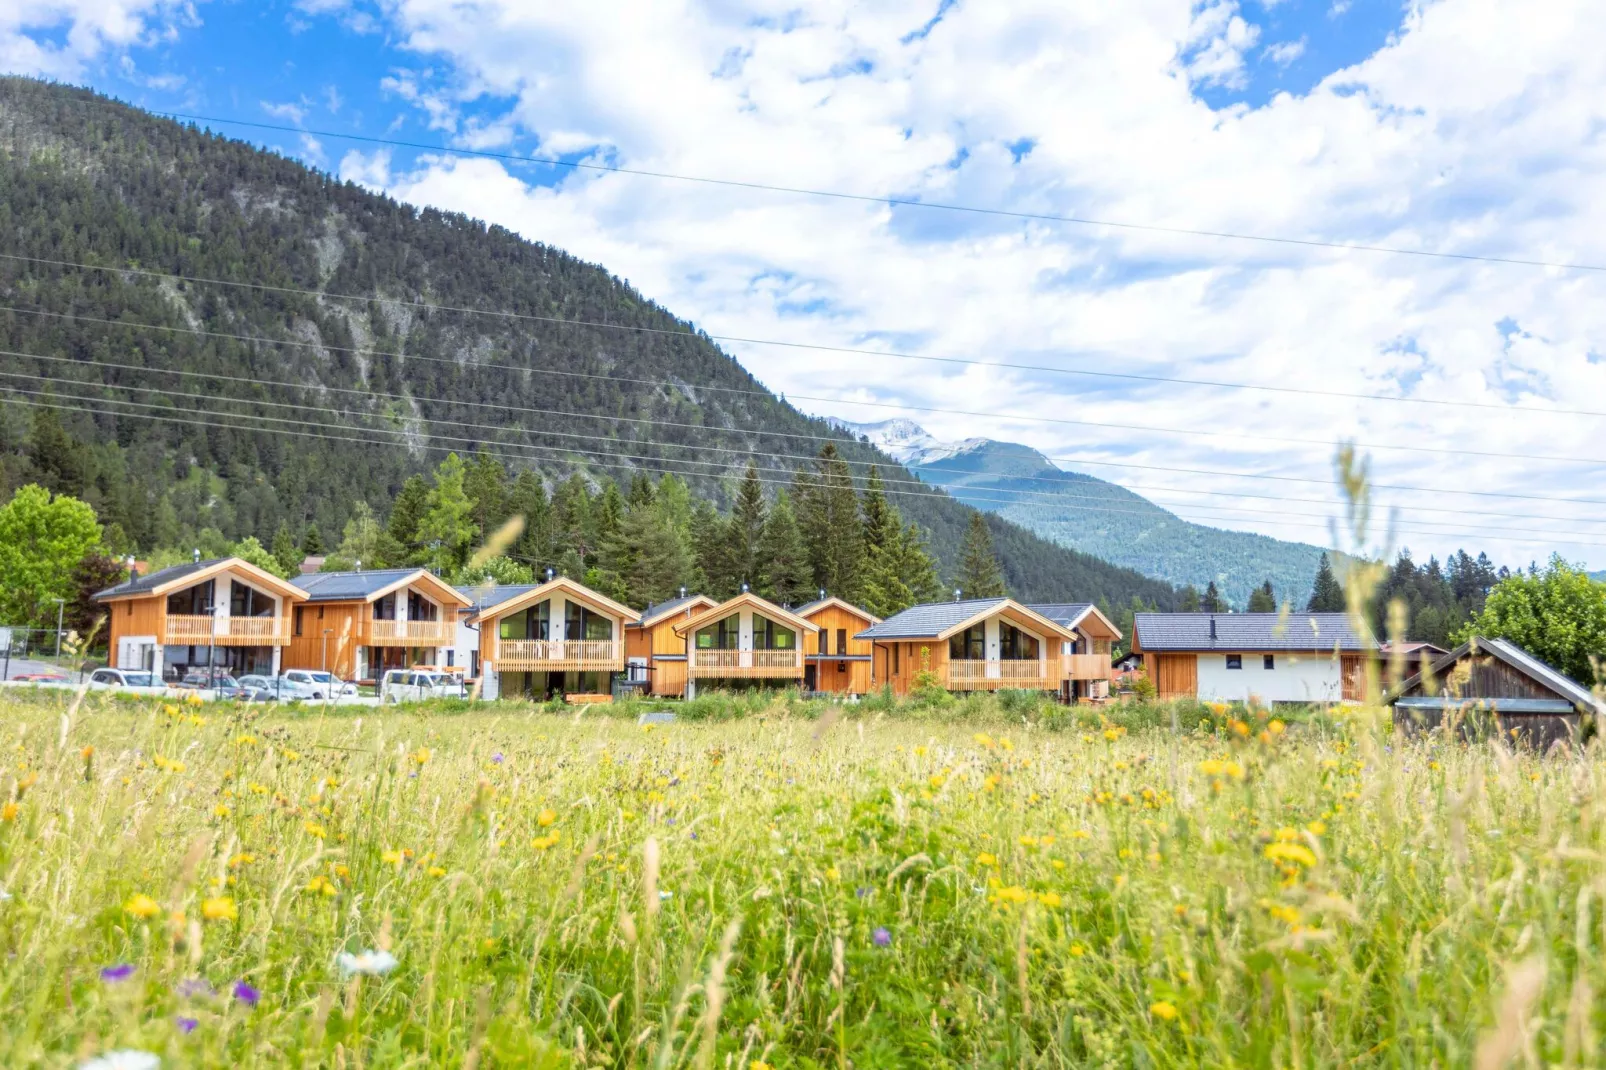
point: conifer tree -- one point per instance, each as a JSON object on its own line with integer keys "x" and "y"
{"x": 641, "y": 490}
{"x": 708, "y": 543}
{"x": 1326, "y": 595}
{"x": 446, "y": 532}
{"x": 609, "y": 512}
{"x": 1262, "y": 599}
{"x": 786, "y": 577}
{"x": 364, "y": 542}
{"x": 979, "y": 575}
{"x": 828, "y": 512}
{"x": 312, "y": 541}
{"x": 897, "y": 572}
{"x": 485, "y": 482}
{"x": 573, "y": 530}
{"x": 61, "y": 463}
{"x": 285, "y": 550}
{"x": 527, "y": 499}
{"x": 1189, "y": 602}
{"x": 1213, "y": 602}
{"x": 407, "y": 511}
{"x": 744, "y": 530}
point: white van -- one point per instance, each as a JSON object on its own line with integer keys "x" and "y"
{"x": 416, "y": 685}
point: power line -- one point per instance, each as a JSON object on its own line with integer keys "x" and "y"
{"x": 894, "y": 202}
{"x": 814, "y": 438}
{"x": 900, "y": 406}
{"x": 1037, "y": 497}
{"x": 846, "y": 350}
{"x": 795, "y": 481}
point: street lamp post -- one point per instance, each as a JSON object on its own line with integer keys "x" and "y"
{"x": 61, "y": 606}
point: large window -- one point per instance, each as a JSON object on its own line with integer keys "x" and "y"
{"x": 385, "y": 607}
{"x": 582, "y": 623}
{"x": 191, "y": 601}
{"x": 767, "y": 635}
{"x": 249, "y": 602}
{"x": 534, "y": 622}
{"x": 969, "y": 645}
{"x": 420, "y": 608}
{"x": 1014, "y": 644}
{"x": 721, "y": 635}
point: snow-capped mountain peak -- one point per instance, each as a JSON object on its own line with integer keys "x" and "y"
{"x": 908, "y": 441}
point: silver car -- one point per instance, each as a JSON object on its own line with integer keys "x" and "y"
{"x": 313, "y": 684}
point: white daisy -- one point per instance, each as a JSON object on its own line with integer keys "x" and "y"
{"x": 372, "y": 963}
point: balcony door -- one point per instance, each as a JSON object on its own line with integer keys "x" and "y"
{"x": 249, "y": 602}
{"x": 767, "y": 635}
{"x": 1016, "y": 645}
{"x": 191, "y": 601}
{"x": 969, "y": 645}
{"x": 421, "y": 608}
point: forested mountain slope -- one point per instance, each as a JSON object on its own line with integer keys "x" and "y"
{"x": 300, "y": 405}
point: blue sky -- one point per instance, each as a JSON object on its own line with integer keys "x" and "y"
{"x": 1454, "y": 125}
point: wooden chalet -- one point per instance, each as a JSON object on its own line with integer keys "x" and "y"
{"x": 225, "y": 613}
{"x": 742, "y": 640}
{"x": 1085, "y": 668}
{"x": 1493, "y": 687}
{"x": 540, "y": 640}
{"x": 357, "y": 625}
{"x": 988, "y": 644}
{"x": 839, "y": 661}
{"x": 655, "y": 655}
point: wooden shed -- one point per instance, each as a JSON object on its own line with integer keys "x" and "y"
{"x": 1487, "y": 687}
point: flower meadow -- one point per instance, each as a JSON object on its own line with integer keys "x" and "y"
{"x": 803, "y": 886}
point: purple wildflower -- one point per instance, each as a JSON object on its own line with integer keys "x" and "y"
{"x": 186, "y": 1025}
{"x": 860, "y": 893}
{"x": 497, "y": 758}
{"x": 882, "y": 936}
{"x": 121, "y": 972}
{"x": 246, "y": 994}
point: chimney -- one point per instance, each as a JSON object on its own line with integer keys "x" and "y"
{"x": 744, "y": 586}
{"x": 133, "y": 569}
{"x": 195, "y": 555}
{"x": 550, "y": 573}
{"x": 956, "y": 594}
{"x": 822, "y": 594}
{"x": 359, "y": 564}
{"x": 683, "y": 592}
{"x": 1212, "y": 627}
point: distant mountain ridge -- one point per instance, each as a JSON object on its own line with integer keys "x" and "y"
{"x": 1095, "y": 516}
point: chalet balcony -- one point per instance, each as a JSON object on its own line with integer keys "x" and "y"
{"x": 559, "y": 655}
{"x": 1086, "y": 667}
{"x": 407, "y": 633}
{"x": 747, "y": 664}
{"x": 226, "y": 631}
{"x": 1001, "y": 676}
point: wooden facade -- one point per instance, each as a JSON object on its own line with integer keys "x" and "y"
{"x": 1174, "y": 675}
{"x": 905, "y": 660}
{"x": 744, "y": 639}
{"x": 1492, "y": 688}
{"x": 147, "y": 629}
{"x": 652, "y": 645}
{"x": 347, "y": 637}
{"x": 839, "y": 662}
{"x": 512, "y": 661}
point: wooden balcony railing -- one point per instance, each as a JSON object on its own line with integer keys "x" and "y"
{"x": 227, "y": 631}
{"x": 1086, "y": 667}
{"x": 567, "y": 655}
{"x": 408, "y": 632}
{"x": 1000, "y": 675}
{"x": 752, "y": 663}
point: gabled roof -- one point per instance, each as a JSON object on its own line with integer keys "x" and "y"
{"x": 530, "y": 595}
{"x": 832, "y": 601}
{"x": 746, "y": 598}
{"x": 1192, "y": 632}
{"x": 1071, "y": 614}
{"x": 939, "y": 620}
{"x": 691, "y": 602}
{"x": 372, "y": 585}
{"x": 1515, "y": 657}
{"x": 481, "y": 596}
{"x": 168, "y": 579}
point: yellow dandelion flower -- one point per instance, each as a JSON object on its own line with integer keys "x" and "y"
{"x": 315, "y": 829}
{"x": 391, "y": 858}
{"x": 1056, "y": 863}
{"x": 1028, "y": 841}
{"x": 1077, "y": 951}
{"x": 219, "y": 908}
{"x": 1051, "y": 900}
{"x": 545, "y": 818}
{"x": 1164, "y": 1010}
{"x": 1291, "y": 852}
{"x": 421, "y": 755}
{"x": 220, "y": 810}
{"x": 244, "y": 858}
{"x": 9, "y": 812}
{"x": 142, "y": 906}
{"x": 322, "y": 884}
{"x": 435, "y": 871}
{"x": 1316, "y": 828}
{"x": 833, "y": 874}
{"x": 986, "y": 859}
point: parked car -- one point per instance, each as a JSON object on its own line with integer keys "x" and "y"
{"x": 313, "y": 684}
{"x": 219, "y": 683}
{"x": 104, "y": 679}
{"x": 416, "y": 685}
{"x": 39, "y": 678}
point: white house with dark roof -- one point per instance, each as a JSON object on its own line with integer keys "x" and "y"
{"x": 1236, "y": 657}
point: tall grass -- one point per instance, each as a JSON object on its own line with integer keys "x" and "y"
{"x": 793, "y": 887}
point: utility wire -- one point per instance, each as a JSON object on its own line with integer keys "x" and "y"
{"x": 894, "y": 202}
{"x": 970, "y": 491}
{"x": 704, "y": 427}
{"x": 614, "y": 467}
{"x": 895, "y": 405}
{"x": 847, "y": 350}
